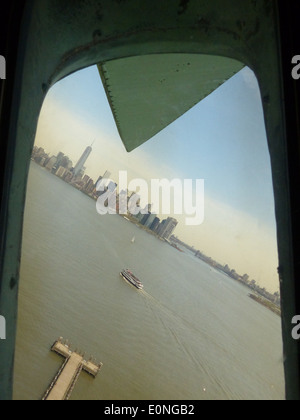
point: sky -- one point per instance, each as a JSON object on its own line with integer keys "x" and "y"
{"x": 222, "y": 140}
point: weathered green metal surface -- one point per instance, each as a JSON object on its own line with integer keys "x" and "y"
{"x": 147, "y": 93}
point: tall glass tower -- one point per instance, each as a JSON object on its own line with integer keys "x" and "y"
{"x": 80, "y": 164}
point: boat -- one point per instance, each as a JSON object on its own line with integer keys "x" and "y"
{"x": 133, "y": 240}
{"x": 132, "y": 279}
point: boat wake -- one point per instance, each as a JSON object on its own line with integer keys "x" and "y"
{"x": 168, "y": 318}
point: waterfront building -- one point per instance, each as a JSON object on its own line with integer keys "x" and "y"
{"x": 68, "y": 176}
{"x": 51, "y": 163}
{"x": 160, "y": 227}
{"x": 102, "y": 180}
{"x": 112, "y": 186}
{"x": 155, "y": 224}
{"x": 139, "y": 217}
{"x": 167, "y": 227}
{"x": 59, "y": 160}
{"x": 61, "y": 172}
{"x": 150, "y": 220}
{"x": 86, "y": 179}
{"x": 144, "y": 219}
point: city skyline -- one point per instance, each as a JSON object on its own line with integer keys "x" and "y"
{"x": 231, "y": 156}
{"x": 60, "y": 166}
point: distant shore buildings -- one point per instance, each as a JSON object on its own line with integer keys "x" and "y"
{"x": 62, "y": 167}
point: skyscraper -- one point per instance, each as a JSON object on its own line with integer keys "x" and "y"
{"x": 80, "y": 164}
{"x": 106, "y": 176}
{"x": 167, "y": 227}
{"x": 150, "y": 220}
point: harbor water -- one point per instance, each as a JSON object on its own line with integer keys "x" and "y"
{"x": 191, "y": 334}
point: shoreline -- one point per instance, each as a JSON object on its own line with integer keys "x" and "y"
{"x": 266, "y": 303}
